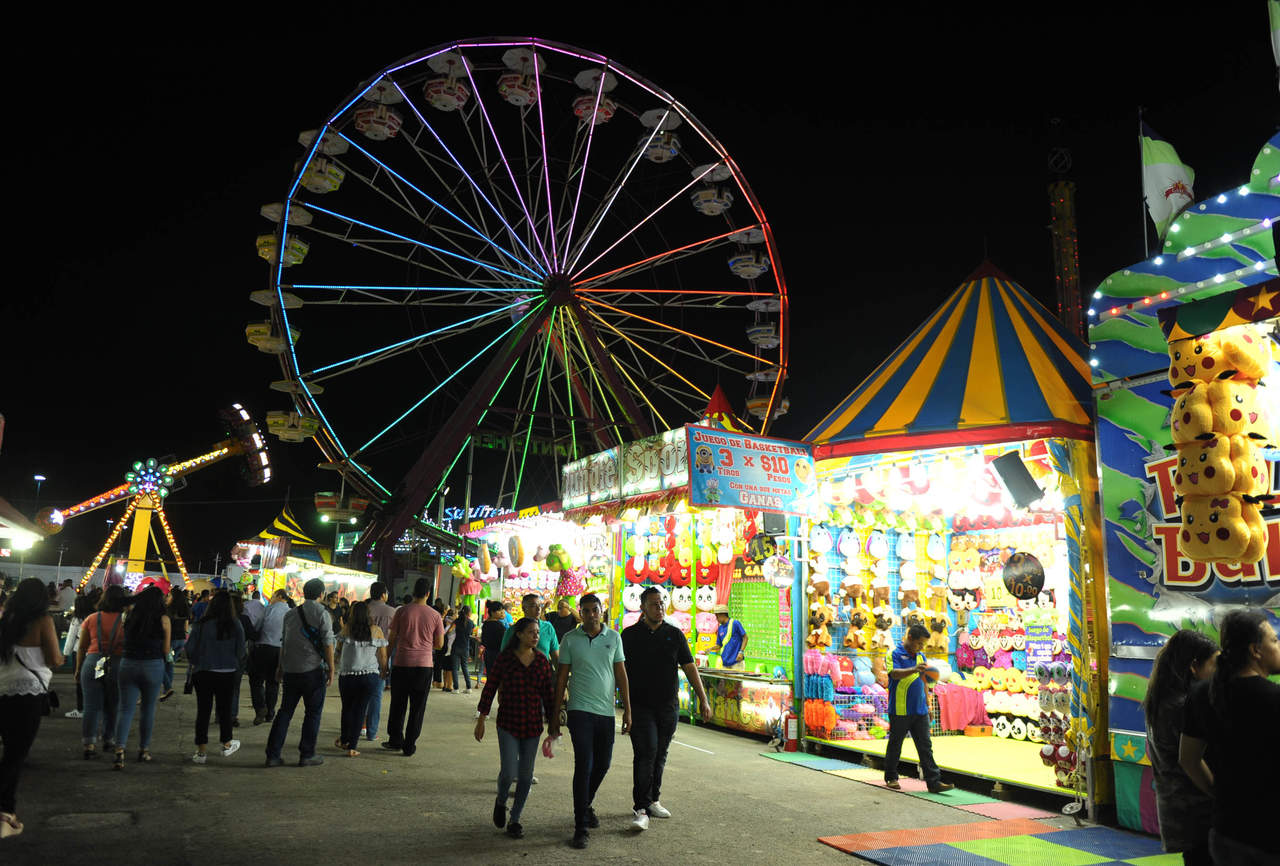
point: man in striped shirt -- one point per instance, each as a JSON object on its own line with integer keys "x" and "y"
{"x": 909, "y": 711}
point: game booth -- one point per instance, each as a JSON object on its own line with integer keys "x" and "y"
{"x": 956, "y": 490}
{"x": 708, "y": 515}
{"x": 1188, "y": 403}
{"x": 283, "y": 556}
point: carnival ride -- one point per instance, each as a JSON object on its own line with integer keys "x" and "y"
{"x": 519, "y": 237}
{"x": 147, "y": 486}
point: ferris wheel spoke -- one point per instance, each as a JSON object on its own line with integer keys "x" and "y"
{"x": 532, "y": 258}
{"x": 380, "y": 246}
{"x": 384, "y": 352}
{"x": 506, "y": 253}
{"x": 633, "y": 294}
{"x": 586, "y": 157}
{"x": 673, "y": 254}
{"x": 546, "y": 170}
{"x": 673, "y": 328}
{"x": 451, "y": 377}
{"x": 484, "y": 112}
{"x": 533, "y": 404}
{"x": 350, "y": 219}
{"x": 679, "y": 194}
{"x": 610, "y": 197}
{"x": 610, "y": 326}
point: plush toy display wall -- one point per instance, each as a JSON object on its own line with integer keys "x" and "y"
{"x": 1222, "y": 419}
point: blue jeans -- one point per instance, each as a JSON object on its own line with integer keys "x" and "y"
{"x": 592, "y": 737}
{"x": 373, "y": 714}
{"x": 307, "y": 687}
{"x": 918, "y": 726}
{"x": 176, "y": 646}
{"x": 518, "y": 755}
{"x": 460, "y": 671}
{"x": 138, "y": 677}
{"x": 101, "y": 700}
{"x": 357, "y": 691}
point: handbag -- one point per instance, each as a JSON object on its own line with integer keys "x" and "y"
{"x": 49, "y": 698}
{"x": 103, "y": 667}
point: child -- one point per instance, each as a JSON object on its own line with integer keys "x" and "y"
{"x": 909, "y": 711}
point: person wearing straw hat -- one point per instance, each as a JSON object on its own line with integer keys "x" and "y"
{"x": 731, "y": 639}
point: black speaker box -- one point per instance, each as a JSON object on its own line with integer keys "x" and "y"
{"x": 1016, "y": 479}
{"x": 774, "y": 524}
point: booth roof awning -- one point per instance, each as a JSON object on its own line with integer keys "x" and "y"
{"x": 990, "y": 365}
{"x": 14, "y": 526}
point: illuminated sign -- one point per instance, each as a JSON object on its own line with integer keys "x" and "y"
{"x": 590, "y": 480}
{"x": 656, "y": 463}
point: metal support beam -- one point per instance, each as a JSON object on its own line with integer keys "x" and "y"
{"x": 412, "y": 494}
{"x": 604, "y": 363}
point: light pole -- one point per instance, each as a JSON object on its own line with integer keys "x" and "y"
{"x": 38, "y": 479}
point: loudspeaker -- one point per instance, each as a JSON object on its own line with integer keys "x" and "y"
{"x": 1016, "y": 479}
{"x": 774, "y": 524}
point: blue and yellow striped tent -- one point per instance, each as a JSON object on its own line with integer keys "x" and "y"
{"x": 990, "y": 365}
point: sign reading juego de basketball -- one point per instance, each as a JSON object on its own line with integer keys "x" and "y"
{"x": 735, "y": 470}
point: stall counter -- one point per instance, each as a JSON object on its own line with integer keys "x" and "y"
{"x": 740, "y": 701}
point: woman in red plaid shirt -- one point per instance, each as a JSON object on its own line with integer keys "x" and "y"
{"x": 525, "y": 678}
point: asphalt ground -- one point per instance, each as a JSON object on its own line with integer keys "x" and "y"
{"x": 728, "y": 804}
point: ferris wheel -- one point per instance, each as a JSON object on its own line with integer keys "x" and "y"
{"x": 518, "y": 240}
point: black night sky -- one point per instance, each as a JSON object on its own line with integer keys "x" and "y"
{"x": 890, "y": 151}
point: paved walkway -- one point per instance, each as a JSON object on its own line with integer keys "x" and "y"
{"x": 729, "y": 805}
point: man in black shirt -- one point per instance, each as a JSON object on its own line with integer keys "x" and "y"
{"x": 654, "y": 651}
{"x": 563, "y": 620}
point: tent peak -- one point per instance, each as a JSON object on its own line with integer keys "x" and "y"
{"x": 987, "y": 269}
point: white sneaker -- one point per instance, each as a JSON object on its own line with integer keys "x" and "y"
{"x": 73, "y": 714}
{"x": 199, "y": 758}
{"x": 535, "y": 780}
{"x": 657, "y": 810}
{"x": 230, "y": 750}
{"x": 640, "y": 821}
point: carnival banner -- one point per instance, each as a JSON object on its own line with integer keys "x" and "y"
{"x": 734, "y": 470}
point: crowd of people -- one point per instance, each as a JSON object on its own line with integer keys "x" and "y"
{"x": 1209, "y": 708}
{"x": 562, "y": 671}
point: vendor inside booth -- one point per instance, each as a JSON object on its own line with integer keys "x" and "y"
{"x": 956, "y": 493}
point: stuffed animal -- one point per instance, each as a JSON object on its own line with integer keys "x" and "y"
{"x": 911, "y": 617}
{"x": 880, "y": 590}
{"x": 908, "y": 594}
{"x": 820, "y": 615}
{"x": 1237, "y": 406}
{"x": 1195, "y": 359}
{"x": 936, "y": 597}
{"x": 820, "y": 539}
{"x": 883, "y": 621}
{"x": 877, "y": 545}
{"x": 1221, "y": 529}
{"x": 851, "y": 588}
{"x": 855, "y": 638}
{"x": 705, "y": 598}
{"x": 938, "y": 637}
{"x": 682, "y": 598}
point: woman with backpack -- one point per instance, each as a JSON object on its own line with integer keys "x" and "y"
{"x": 28, "y": 655}
{"x": 146, "y": 645}
{"x": 214, "y": 649}
{"x": 97, "y": 663}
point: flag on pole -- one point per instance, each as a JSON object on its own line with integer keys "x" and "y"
{"x": 1273, "y": 10}
{"x": 1166, "y": 181}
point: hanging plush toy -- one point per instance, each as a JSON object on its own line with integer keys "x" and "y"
{"x": 883, "y": 621}
{"x": 938, "y": 637}
{"x": 855, "y": 638}
{"x": 515, "y": 550}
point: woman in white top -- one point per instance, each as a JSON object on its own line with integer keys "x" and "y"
{"x": 28, "y": 653}
{"x": 361, "y": 670}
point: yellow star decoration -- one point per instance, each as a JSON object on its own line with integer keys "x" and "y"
{"x": 1129, "y": 749}
{"x": 1262, "y": 299}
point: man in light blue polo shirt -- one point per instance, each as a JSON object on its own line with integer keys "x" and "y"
{"x": 593, "y": 655}
{"x": 548, "y": 643}
{"x": 909, "y": 711}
